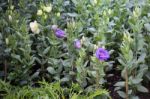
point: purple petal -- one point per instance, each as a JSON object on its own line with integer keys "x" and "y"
{"x": 102, "y": 54}
{"x": 77, "y": 44}
{"x": 59, "y": 33}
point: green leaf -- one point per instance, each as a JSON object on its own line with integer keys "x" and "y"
{"x": 36, "y": 74}
{"x": 46, "y": 50}
{"x": 142, "y": 88}
{"x": 134, "y": 97}
{"x": 147, "y": 25}
{"x": 129, "y": 92}
{"x": 148, "y": 75}
{"x": 32, "y": 61}
{"x": 98, "y": 93}
{"x": 91, "y": 29}
{"x": 75, "y": 96}
{"x": 120, "y": 84}
{"x": 122, "y": 63}
{"x": 16, "y": 57}
{"x": 75, "y": 2}
{"x": 117, "y": 88}
{"x": 38, "y": 60}
{"x": 122, "y": 94}
{"x": 72, "y": 14}
{"x": 65, "y": 79}
{"x": 141, "y": 58}
{"x": 51, "y": 70}
{"x": 123, "y": 73}
{"x": 136, "y": 80}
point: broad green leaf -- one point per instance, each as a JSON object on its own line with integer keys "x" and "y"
{"x": 141, "y": 58}
{"x": 122, "y": 63}
{"x": 142, "y": 88}
{"x": 147, "y": 25}
{"x": 120, "y": 84}
{"x": 136, "y": 80}
{"x": 16, "y": 57}
{"x": 51, "y": 70}
{"x": 122, "y": 94}
{"x": 134, "y": 97}
{"x": 36, "y": 74}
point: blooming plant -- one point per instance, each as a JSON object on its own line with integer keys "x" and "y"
{"x": 77, "y": 44}
{"x": 35, "y": 27}
{"x": 102, "y": 54}
{"x": 59, "y": 33}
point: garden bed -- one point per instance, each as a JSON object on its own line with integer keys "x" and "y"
{"x": 73, "y": 49}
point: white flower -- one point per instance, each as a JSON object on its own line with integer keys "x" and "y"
{"x": 35, "y": 27}
{"x": 39, "y": 12}
{"x": 54, "y": 27}
{"x": 47, "y": 8}
{"x": 10, "y": 18}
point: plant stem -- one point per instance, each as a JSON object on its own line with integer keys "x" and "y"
{"x": 42, "y": 68}
{"x": 126, "y": 83}
{"x": 5, "y": 70}
{"x": 97, "y": 79}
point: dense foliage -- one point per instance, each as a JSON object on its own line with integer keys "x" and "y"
{"x": 75, "y": 41}
{"x": 49, "y": 91}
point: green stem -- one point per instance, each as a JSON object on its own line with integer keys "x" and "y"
{"x": 126, "y": 83}
{"x": 97, "y": 79}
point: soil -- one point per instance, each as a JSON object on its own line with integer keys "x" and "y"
{"x": 113, "y": 77}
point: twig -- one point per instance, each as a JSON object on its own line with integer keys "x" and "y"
{"x": 126, "y": 83}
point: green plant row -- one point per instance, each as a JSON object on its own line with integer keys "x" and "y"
{"x": 49, "y": 91}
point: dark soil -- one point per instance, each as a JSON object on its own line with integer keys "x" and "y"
{"x": 113, "y": 77}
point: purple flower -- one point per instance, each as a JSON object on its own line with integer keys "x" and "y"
{"x": 102, "y": 54}
{"x": 59, "y": 33}
{"x": 77, "y": 44}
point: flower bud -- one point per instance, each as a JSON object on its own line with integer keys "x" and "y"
{"x": 7, "y": 41}
{"x": 137, "y": 12}
{"x": 104, "y": 13}
{"x": 34, "y": 27}
{"x": 58, "y": 14}
{"x": 12, "y": 7}
{"x": 10, "y": 18}
{"x": 109, "y": 11}
{"x": 47, "y": 8}
{"x": 77, "y": 44}
{"x": 39, "y": 12}
{"x": 83, "y": 39}
{"x": 54, "y": 27}
{"x": 59, "y": 33}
